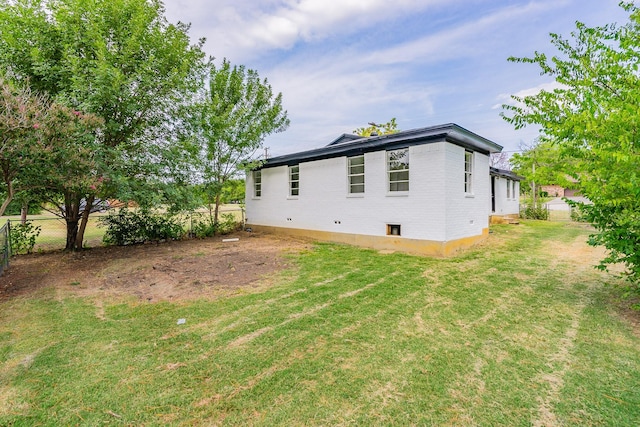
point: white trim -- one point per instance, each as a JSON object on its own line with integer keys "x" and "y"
{"x": 292, "y": 181}
{"x": 403, "y": 159}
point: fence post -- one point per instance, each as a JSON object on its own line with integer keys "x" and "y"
{"x": 5, "y": 249}
{"x": 8, "y": 239}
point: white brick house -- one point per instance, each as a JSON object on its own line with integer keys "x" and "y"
{"x": 423, "y": 191}
{"x": 505, "y": 195}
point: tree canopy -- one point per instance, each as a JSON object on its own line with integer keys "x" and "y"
{"x": 235, "y": 112}
{"x": 22, "y": 113}
{"x": 592, "y": 117}
{"x": 119, "y": 60}
{"x": 541, "y": 163}
{"x": 379, "y": 129}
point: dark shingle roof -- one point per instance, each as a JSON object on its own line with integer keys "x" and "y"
{"x": 505, "y": 174}
{"x": 352, "y": 145}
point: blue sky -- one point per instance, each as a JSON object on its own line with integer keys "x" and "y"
{"x": 343, "y": 63}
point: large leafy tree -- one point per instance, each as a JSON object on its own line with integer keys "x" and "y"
{"x": 233, "y": 115}
{"x": 593, "y": 117}
{"x": 118, "y": 59}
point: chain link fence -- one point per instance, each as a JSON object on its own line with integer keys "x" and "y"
{"x": 562, "y": 212}
{"x": 53, "y": 230}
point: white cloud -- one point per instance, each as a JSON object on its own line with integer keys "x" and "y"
{"x": 446, "y": 68}
{"x": 459, "y": 41}
{"x": 506, "y": 98}
{"x": 328, "y": 98}
{"x": 241, "y": 29}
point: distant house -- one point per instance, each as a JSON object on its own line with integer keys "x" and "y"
{"x": 555, "y": 190}
{"x": 424, "y": 191}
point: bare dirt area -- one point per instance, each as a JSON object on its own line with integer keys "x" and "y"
{"x": 170, "y": 271}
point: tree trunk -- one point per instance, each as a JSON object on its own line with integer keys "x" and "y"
{"x": 217, "y": 209}
{"x": 210, "y": 208}
{"x": 533, "y": 188}
{"x": 23, "y": 212}
{"x": 83, "y": 223}
{"x": 72, "y": 217}
{"x": 8, "y": 199}
{"x": 72, "y": 234}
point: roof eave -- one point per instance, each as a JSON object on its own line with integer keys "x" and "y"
{"x": 448, "y": 132}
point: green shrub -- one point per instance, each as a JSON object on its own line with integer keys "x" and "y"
{"x": 537, "y": 211}
{"x": 23, "y": 237}
{"x": 227, "y": 224}
{"x": 131, "y": 227}
{"x": 577, "y": 214}
{"x": 202, "y": 228}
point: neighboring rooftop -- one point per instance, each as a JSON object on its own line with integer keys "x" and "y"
{"x": 351, "y": 145}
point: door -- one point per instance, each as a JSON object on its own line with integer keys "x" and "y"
{"x": 493, "y": 194}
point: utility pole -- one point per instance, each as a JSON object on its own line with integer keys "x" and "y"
{"x": 266, "y": 153}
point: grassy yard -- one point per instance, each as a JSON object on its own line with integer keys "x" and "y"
{"x": 518, "y": 332}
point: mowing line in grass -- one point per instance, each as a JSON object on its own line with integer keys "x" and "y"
{"x": 505, "y": 335}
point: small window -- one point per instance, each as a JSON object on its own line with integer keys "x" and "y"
{"x": 513, "y": 190}
{"x": 257, "y": 183}
{"x": 294, "y": 180}
{"x": 356, "y": 174}
{"x": 393, "y": 229}
{"x": 508, "y": 189}
{"x": 398, "y": 170}
{"x": 468, "y": 172}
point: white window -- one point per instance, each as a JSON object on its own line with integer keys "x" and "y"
{"x": 468, "y": 172}
{"x": 398, "y": 169}
{"x": 508, "y": 189}
{"x": 294, "y": 180}
{"x": 355, "y": 174}
{"x": 257, "y": 183}
{"x": 513, "y": 189}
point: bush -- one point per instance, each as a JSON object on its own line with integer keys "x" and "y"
{"x": 538, "y": 211}
{"x": 23, "y": 237}
{"x": 204, "y": 228}
{"x": 227, "y": 224}
{"x": 128, "y": 227}
{"x": 577, "y": 214}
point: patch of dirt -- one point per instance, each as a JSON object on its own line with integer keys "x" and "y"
{"x": 171, "y": 271}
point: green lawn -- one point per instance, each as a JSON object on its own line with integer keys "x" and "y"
{"x": 517, "y": 332}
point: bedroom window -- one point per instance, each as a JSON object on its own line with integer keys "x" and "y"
{"x": 356, "y": 174}
{"x": 468, "y": 172}
{"x": 398, "y": 169}
{"x": 257, "y": 183}
{"x": 294, "y": 180}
